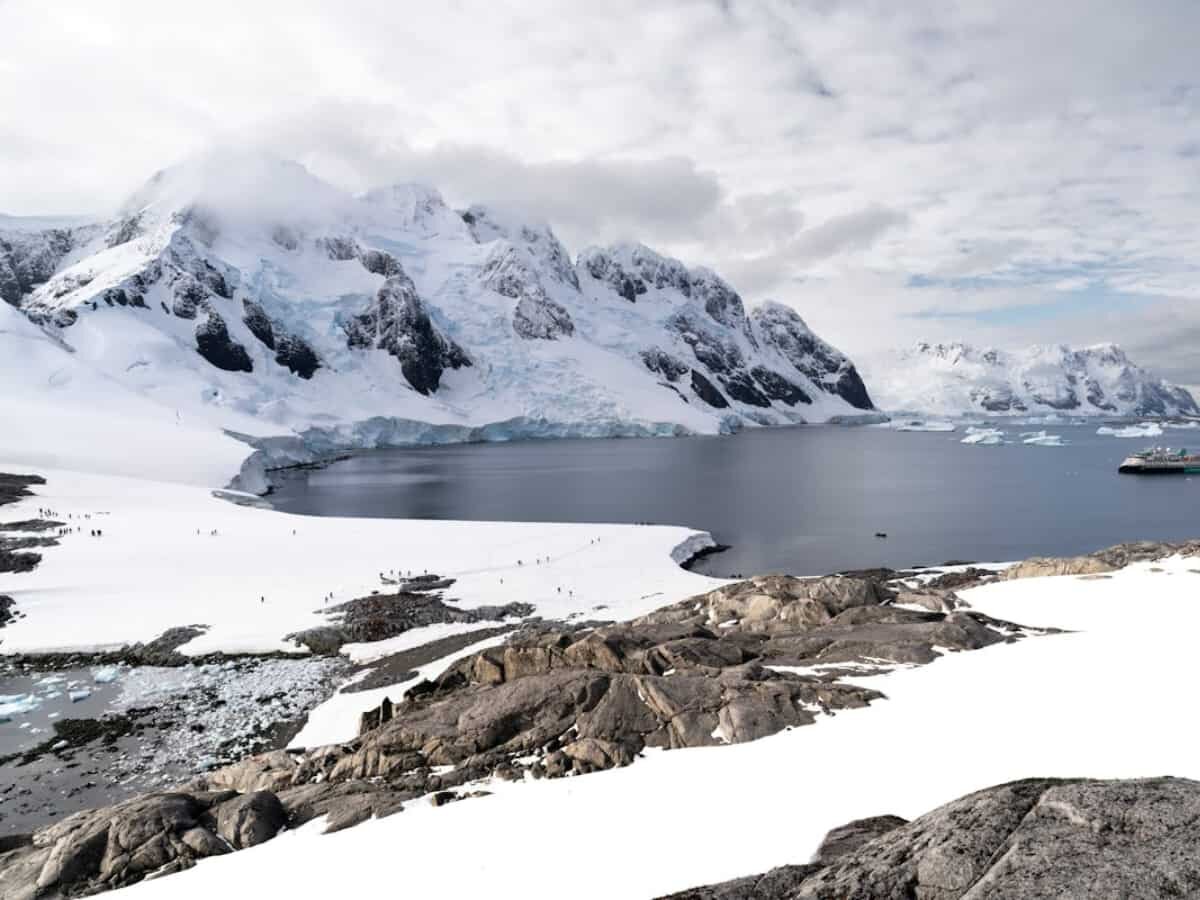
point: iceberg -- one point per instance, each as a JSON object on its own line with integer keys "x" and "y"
{"x": 986, "y": 437}
{"x": 1146, "y": 429}
{"x": 921, "y": 425}
{"x": 16, "y": 705}
{"x": 106, "y": 675}
{"x": 1042, "y": 439}
{"x": 79, "y": 694}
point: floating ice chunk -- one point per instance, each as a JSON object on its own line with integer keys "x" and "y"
{"x": 988, "y": 437}
{"x": 50, "y": 680}
{"x": 17, "y": 705}
{"x": 1042, "y": 439}
{"x": 1144, "y": 430}
{"x": 921, "y": 425}
{"x": 106, "y": 675}
{"x": 79, "y": 694}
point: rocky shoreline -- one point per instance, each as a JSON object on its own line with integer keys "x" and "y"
{"x": 734, "y": 665}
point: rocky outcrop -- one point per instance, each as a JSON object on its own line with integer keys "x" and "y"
{"x": 708, "y": 392}
{"x": 215, "y": 345}
{"x": 556, "y": 701}
{"x": 733, "y": 665}
{"x": 1104, "y": 840}
{"x": 291, "y": 352}
{"x": 781, "y": 328}
{"x": 398, "y": 323}
{"x": 537, "y": 316}
{"x": 30, "y": 259}
{"x": 16, "y": 487}
{"x": 539, "y": 241}
{"x": 152, "y": 835}
{"x": 1102, "y": 561}
{"x": 381, "y": 616}
{"x": 663, "y": 363}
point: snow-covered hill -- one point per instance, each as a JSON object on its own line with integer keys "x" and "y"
{"x": 957, "y": 379}
{"x": 246, "y": 292}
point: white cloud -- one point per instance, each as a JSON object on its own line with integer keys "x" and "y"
{"x": 826, "y": 152}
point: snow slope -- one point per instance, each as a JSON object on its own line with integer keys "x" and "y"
{"x": 242, "y": 291}
{"x": 264, "y": 574}
{"x": 958, "y": 379}
{"x": 984, "y": 717}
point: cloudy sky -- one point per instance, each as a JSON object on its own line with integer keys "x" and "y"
{"x": 998, "y": 171}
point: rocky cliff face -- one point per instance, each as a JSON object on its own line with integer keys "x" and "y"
{"x": 957, "y": 378}
{"x": 293, "y": 302}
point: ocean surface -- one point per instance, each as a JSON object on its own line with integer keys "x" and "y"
{"x": 806, "y": 500}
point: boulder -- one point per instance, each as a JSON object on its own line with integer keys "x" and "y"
{"x": 1027, "y": 840}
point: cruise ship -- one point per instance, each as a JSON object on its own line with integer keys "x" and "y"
{"x": 1160, "y": 461}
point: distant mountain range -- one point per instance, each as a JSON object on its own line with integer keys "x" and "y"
{"x": 245, "y": 288}
{"x": 957, "y": 379}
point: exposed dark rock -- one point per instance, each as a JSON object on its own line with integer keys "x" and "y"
{"x": 259, "y": 323}
{"x": 290, "y": 351}
{"x": 721, "y": 301}
{"x": 377, "y": 262}
{"x": 777, "y": 387}
{"x": 715, "y": 352}
{"x": 297, "y": 356}
{"x": 397, "y": 322}
{"x": 707, "y": 391}
{"x": 663, "y": 363}
{"x": 16, "y": 487}
{"x": 381, "y": 616}
{"x": 781, "y": 328}
{"x": 509, "y": 273}
{"x": 189, "y": 297}
{"x": 215, "y": 345}
{"x": 1033, "y": 840}
{"x": 28, "y": 260}
{"x": 740, "y": 387}
{"x": 7, "y": 605}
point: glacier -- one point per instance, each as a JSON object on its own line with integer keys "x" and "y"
{"x": 238, "y": 292}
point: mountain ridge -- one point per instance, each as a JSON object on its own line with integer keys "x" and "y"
{"x": 958, "y": 378}
{"x": 247, "y": 288}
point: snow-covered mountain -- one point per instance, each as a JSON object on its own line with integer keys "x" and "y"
{"x": 246, "y": 291}
{"x": 955, "y": 379}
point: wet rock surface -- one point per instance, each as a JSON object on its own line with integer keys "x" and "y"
{"x": 1028, "y": 839}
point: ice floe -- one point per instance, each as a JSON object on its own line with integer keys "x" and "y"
{"x": 1143, "y": 430}
{"x": 1042, "y": 439}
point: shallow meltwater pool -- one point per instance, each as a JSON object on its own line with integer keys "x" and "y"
{"x": 805, "y": 500}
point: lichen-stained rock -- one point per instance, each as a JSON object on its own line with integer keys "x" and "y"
{"x": 1028, "y": 840}
{"x": 397, "y": 322}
